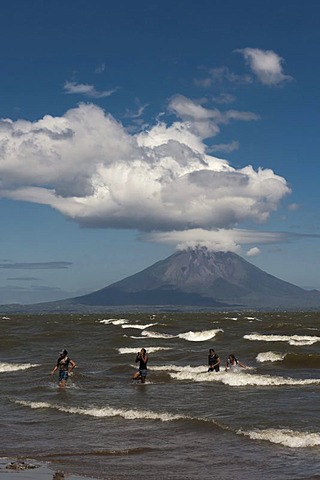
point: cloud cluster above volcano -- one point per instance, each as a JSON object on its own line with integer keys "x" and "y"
{"x": 89, "y": 167}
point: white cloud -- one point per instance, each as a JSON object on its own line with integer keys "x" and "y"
{"x": 86, "y": 89}
{"x": 220, "y": 239}
{"x": 266, "y": 65}
{"x": 253, "y": 252}
{"x": 90, "y": 168}
{"x": 203, "y": 122}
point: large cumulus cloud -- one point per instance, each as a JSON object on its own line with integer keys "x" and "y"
{"x": 89, "y": 167}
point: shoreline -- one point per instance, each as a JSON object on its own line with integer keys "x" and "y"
{"x": 17, "y": 469}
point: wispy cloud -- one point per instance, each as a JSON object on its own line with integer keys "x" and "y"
{"x": 221, "y": 76}
{"x": 224, "y": 147}
{"x": 23, "y": 279}
{"x": 35, "y": 265}
{"x": 205, "y": 122}
{"x": 222, "y": 239}
{"x": 86, "y": 89}
{"x": 266, "y": 65}
{"x": 224, "y": 99}
{"x": 136, "y": 113}
{"x": 293, "y": 207}
{"x": 100, "y": 68}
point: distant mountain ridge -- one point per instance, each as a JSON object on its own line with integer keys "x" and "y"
{"x": 202, "y": 278}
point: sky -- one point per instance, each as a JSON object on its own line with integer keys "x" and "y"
{"x": 130, "y": 130}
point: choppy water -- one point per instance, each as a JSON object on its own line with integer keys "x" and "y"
{"x": 184, "y": 423}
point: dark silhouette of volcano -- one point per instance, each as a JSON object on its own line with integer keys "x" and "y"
{"x": 202, "y": 278}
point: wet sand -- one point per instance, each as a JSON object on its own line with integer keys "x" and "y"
{"x": 13, "y": 469}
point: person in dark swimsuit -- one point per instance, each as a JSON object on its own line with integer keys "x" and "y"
{"x": 65, "y": 366}
{"x": 213, "y": 361}
{"x": 142, "y": 358}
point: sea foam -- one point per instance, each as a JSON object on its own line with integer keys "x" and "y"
{"x": 238, "y": 378}
{"x": 287, "y": 438}
{"x": 157, "y": 335}
{"x": 14, "y": 367}
{"x": 114, "y": 321}
{"x": 139, "y": 327}
{"x": 101, "y": 412}
{"x": 296, "y": 340}
{"x": 126, "y": 350}
{"x": 190, "y": 336}
{"x": 199, "y": 336}
{"x": 270, "y": 357}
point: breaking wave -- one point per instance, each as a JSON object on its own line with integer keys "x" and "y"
{"x": 287, "y": 438}
{"x": 270, "y": 357}
{"x": 238, "y": 378}
{"x": 126, "y": 350}
{"x": 14, "y": 367}
{"x": 190, "y": 336}
{"x": 295, "y": 340}
{"x": 199, "y": 336}
{"x": 114, "y": 321}
{"x": 157, "y": 335}
{"x": 101, "y": 412}
{"x": 139, "y": 327}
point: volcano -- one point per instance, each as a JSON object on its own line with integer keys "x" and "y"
{"x": 201, "y": 278}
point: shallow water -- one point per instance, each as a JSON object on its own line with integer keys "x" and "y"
{"x": 184, "y": 422}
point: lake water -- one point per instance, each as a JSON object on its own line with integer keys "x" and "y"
{"x": 183, "y": 423}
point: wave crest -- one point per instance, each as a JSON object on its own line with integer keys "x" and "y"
{"x": 288, "y": 438}
{"x": 296, "y": 340}
{"x": 102, "y": 412}
{"x": 14, "y": 367}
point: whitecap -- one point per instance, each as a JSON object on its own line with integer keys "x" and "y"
{"x": 14, "y": 367}
{"x": 114, "y": 321}
{"x": 237, "y": 378}
{"x": 126, "y": 350}
{"x": 157, "y": 335}
{"x": 297, "y": 340}
{"x": 285, "y": 437}
{"x": 198, "y": 374}
{"x": 164, "y": 368}
{"x": 102, "y": 412}
{"x": 270, "y": 357}
{"x": 139, "y": 327}
{"x": 199, "y": 336}
{"x": 245, "y": 379}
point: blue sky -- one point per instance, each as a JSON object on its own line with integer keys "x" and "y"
{"x": 131, "y": 129}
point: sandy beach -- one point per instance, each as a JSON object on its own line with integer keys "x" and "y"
{"x": 13, "y": 469}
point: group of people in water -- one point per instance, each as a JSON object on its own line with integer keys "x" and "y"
{"x": 65, "y": 365}
{"x": 214, "y": 362}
